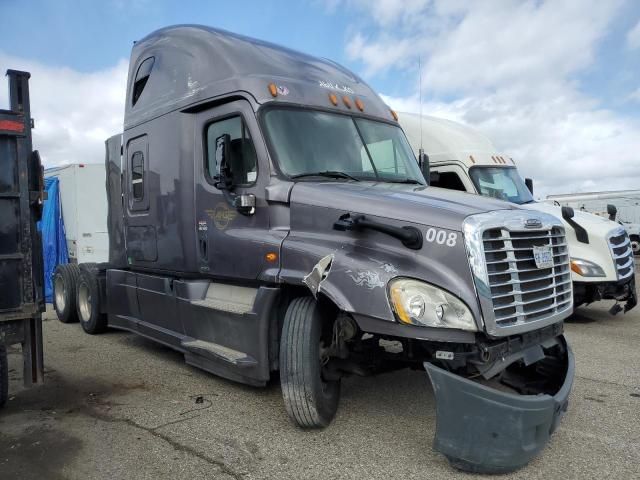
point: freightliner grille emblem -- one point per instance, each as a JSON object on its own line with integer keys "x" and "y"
{"x": 532, "y": 223}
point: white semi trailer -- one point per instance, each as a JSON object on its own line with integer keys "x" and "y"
{"x": 84, "y": 210}
{"x": 461, "y": 158}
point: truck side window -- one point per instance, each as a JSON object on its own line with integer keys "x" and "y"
{"x": 449, "y": 180}
{"x": 137, "y": 176}
{"x": 242, "y": 157}
{"x": 142, "y": 76}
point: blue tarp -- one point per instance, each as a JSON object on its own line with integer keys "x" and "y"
{"x": 54, "y": 241}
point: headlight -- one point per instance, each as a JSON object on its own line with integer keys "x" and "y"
{"x": 422, "y": 304}
{"x": 586, "y": 268}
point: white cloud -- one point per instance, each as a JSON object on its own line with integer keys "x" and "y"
{"x": 74, "y": 112}
{"x": 633, "y": 37}
{"x": 511, "y": 70}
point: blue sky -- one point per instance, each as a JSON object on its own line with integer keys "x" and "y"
{"x": 556, "y": 84}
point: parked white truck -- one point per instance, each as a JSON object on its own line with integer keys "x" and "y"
{"x": 461, "y": 158}
{"x": 626, "y": 203}
{"x": 83, "y": 200}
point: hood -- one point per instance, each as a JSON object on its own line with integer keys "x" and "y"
{"x": 594, "y": 224}
{"x": 411, "y": 203}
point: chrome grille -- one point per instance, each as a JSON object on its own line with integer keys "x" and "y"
{"x": 622, "y": 253}
{"x": 520, "y": 291}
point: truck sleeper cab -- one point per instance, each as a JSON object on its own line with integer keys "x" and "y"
{"x": 266, "y": 213}
{"x": 602, "y": 263}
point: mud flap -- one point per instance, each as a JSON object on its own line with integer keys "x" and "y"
{"x": 483, "y": 430}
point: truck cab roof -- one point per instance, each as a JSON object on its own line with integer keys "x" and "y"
{"x": 183, "y": 66}
{"x": 445, "y": 141}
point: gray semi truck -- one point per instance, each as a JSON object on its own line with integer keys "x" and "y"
{"x": 267, "y": 214}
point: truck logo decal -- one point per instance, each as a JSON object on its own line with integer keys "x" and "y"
{"x": 366, "y": 278}
{"x": 222, "y": 215}
{"x": 335, "y": 86}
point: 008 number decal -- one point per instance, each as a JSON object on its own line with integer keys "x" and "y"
{"x": 441, "y": 237}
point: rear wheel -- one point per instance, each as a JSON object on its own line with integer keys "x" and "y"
{"x": 88, "y": 302}
{"x": 4, "y": 376}
{"x": 65, "y": 278}
{"x": 635, "y": 244}
{"x": 309, "y": 399}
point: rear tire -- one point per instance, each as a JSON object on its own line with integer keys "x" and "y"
{"x": 635, "y": 244}
{"x": 65, "y": 278}
{"x": 309, "y": 400}
{"x": 88, "y": 302}
{"x": 4, "y": 376}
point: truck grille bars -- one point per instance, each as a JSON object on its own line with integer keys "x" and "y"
{"x": 620, "y": 246}
{"x": 520, "y": 291}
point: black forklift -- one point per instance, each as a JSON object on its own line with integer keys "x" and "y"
{"x": 21, "y": 263}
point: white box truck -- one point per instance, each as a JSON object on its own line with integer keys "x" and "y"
{"x": 84, "y": 210}
{"x": 461, "y": 158}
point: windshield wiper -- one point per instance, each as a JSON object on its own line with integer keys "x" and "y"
{"x": 328, "y": 174}
{"x": 405, "y": 180}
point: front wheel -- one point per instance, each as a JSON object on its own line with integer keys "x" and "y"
{"x": 635, "y": 244}
{"x": 310, "y": 400}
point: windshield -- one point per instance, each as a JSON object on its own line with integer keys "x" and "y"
{"x": 501, "y": 182}
{"x": 308, "y": 142}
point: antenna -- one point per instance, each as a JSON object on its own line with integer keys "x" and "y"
{"x": 423, "y": 159}
{"x": 420, "y": 94}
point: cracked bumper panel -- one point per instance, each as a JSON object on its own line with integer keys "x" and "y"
{"x": 484, "y": 430}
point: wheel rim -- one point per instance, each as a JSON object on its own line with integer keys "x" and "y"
{"x": 635, "y": 246}
{"x": 84, "y": 302}
{"x": 59, "y": 287}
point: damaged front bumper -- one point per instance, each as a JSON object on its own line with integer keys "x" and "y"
{"x": 484, "y": 430}
{"x": 623, "y": 291}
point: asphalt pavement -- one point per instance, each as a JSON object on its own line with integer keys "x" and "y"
{"x": 117, "y": 406}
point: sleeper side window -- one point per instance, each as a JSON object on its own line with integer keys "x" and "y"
{"x": 241, "y": 158}
{"x": 142, "y": 77}
{"x": 449, "y": 180}
{"x": 137, "y": 176}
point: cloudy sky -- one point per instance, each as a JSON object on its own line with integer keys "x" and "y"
{"x": 555, "y": 84}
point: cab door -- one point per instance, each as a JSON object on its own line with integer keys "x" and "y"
{"x": 230, "y": 240}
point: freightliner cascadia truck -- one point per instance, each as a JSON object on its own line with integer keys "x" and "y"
{"x": 460, "y": 158}
{"x": 267, "y": 214}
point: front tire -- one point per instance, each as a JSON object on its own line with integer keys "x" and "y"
{"x": 88, "y": 303}
{"x": 65, "y": 278}
{"x": 310, "y": 401}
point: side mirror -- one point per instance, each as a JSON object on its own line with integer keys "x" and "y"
{"x": 612, "y": 211}
{"x": 223, "y": 173}
{"x": 567, "y": 213}
{"x": 529, "y": 183}
{"x": 423, "y": 163}
{"x": 245, "y": 203}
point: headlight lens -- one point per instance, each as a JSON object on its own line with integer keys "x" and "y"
{"x": 586, "y": 268}
{"x": 422, "y": 304}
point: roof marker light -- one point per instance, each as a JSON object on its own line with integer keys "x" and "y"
{"x": 273, "y": 90}
{"x": 347, "y": 102}
{"x": 359, "y": 104}
{"x": 512, "y": 161}
{"x": 473, "y": 160}
{"x": 333, "y": 99}
{"x": 394, "y": 115}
